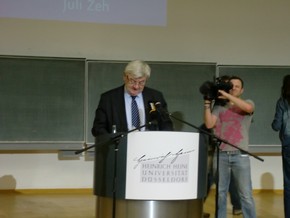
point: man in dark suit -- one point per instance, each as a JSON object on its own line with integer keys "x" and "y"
{"x": 114, "y": 109}
{"x": 114, "y": 114}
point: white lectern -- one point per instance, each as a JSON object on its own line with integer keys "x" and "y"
{"x": 155, "y": 174}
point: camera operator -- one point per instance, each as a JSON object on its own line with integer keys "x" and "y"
{"x": 231, "y": 122}
{"x": 234, "y": 196}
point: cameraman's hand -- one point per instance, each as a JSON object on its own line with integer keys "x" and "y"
{"x": 242, "y": 104}
{"x": 223, "y": 94}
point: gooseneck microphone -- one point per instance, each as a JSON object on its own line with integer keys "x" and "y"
{"x": 153, "y": 112}
{"x": 162, "y": 113}
{"x": 157, "y": 112}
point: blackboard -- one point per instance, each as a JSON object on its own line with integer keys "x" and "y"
{"x": 178, "y": 81}
{"x": 263, "y": 86}
{"x": 42, "y": 100}
{"x": 51, "y": 101}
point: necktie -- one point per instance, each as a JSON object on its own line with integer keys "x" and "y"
{"x": 135, "y": 113}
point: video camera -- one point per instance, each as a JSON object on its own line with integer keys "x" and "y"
{"x": 209, "y": 90}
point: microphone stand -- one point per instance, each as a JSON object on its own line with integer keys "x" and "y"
{"x": 116, "y": 141}
{"x": 219, "y": 141}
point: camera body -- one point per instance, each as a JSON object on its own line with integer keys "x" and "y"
{"x": 209, "y": 90}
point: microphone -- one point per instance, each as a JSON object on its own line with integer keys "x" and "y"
{"x": 163, "y": 114}
{"x": 154, "y": 116}
{"x": 153, "y": 112}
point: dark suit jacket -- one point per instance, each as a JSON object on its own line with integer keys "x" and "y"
{"x": 111, "y": 111}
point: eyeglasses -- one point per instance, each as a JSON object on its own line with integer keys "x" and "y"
{"x": 135, "y": 82}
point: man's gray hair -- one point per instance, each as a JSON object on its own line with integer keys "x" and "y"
{"x": 138, "y": 68}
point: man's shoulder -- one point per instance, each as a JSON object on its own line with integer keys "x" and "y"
{"x": 113, "y": 91}
{"x": 250, "y": 101}
{"x": 151, "y": 90}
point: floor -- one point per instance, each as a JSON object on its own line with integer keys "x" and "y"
{"x": 269, "y": 204}
{"x": 82, "y": 205}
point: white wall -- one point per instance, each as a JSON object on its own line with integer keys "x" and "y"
{"x": 46, "y": 171}
{"x": 224, "y": 31}
{"x": 267, "y": 174}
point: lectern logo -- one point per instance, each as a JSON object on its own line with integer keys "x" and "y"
{"x": 169, "y": 168}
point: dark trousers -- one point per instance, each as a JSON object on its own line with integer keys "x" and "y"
{"x": 286, "y": 176}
